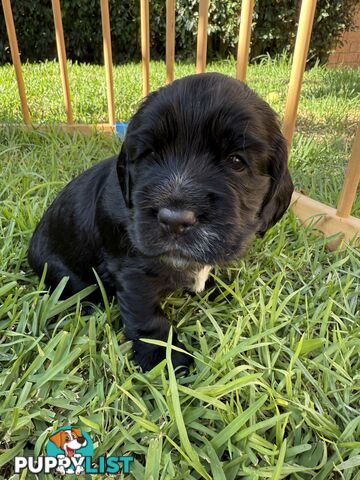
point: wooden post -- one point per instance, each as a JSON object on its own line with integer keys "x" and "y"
{"x": 170, "y": 40}
{"x": 105, "y": 21}
{"x": 202, "y": 36}
{"x": 145, "y": 45}
{"x": 9, "y": 20}
{"x": 247, "y": 8}
{"x": 298, "y": 66}
{"x": 60, "y": 45}
{"x": 351, "y": 182}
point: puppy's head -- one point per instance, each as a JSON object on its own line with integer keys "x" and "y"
{"x": 69, "y": 440}
{"x": 203, "y": 169}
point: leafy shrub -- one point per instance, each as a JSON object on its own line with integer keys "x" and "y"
{"x": 275, "y": 23}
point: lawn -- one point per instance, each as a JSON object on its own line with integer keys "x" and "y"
{"x": 275, "y": 388}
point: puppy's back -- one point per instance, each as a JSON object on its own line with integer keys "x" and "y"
{"x": 67, "y": 237}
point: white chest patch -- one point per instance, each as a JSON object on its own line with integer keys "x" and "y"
{"x": 200, "y": 278}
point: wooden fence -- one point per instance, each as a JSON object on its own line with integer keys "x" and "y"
{"x": 327, "y": 219}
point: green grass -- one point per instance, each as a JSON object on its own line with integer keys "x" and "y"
{"x": 275, "y": 388}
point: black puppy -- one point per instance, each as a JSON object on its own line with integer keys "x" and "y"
{"x": 202, "y": 170}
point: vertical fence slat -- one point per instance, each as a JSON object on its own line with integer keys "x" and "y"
{"x": 298, "y": 67}
{"x": 351, "y": 182}
{"x": 247, "y": 8}
{"x": 145, "y": 45}
{"x": 105, "y": 22}
{"x": 202, "y": 36}
{"x": 9, "y": 20}
{"x": 170, "y": 40}
{"x": 60, "y": 45}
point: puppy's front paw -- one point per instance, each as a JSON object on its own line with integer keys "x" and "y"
{"x": 61, "y": 470}
{"x": 181, "y": 362}
{"x": 148, "y": 356}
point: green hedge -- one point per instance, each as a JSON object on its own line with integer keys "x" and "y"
{"x": 274, "y": 31}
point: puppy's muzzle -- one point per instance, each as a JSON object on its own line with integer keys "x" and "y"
{"x": 176, "y": 221}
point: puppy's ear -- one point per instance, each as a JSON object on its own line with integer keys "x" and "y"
{"x": 278, "y": 197}
{"x": 77, "y": 432}
{"x": 59, "y": 439}
{"x": 123, "y": 172}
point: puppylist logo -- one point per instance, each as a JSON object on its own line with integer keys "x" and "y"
{"x": 69, "y": 451}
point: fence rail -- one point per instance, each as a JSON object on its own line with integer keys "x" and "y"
{"x": 327, "y": 219}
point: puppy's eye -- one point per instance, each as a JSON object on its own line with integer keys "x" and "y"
{"x": 151, "y": 155}
{"x": 237, "y": 162}
{"x": 154, "y": 157}
{"x": 147, "y": 155}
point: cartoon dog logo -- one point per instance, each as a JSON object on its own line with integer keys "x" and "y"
{"x": 70, "y": 440}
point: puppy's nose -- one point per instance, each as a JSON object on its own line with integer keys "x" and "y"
{"x": 176, "y": 221}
